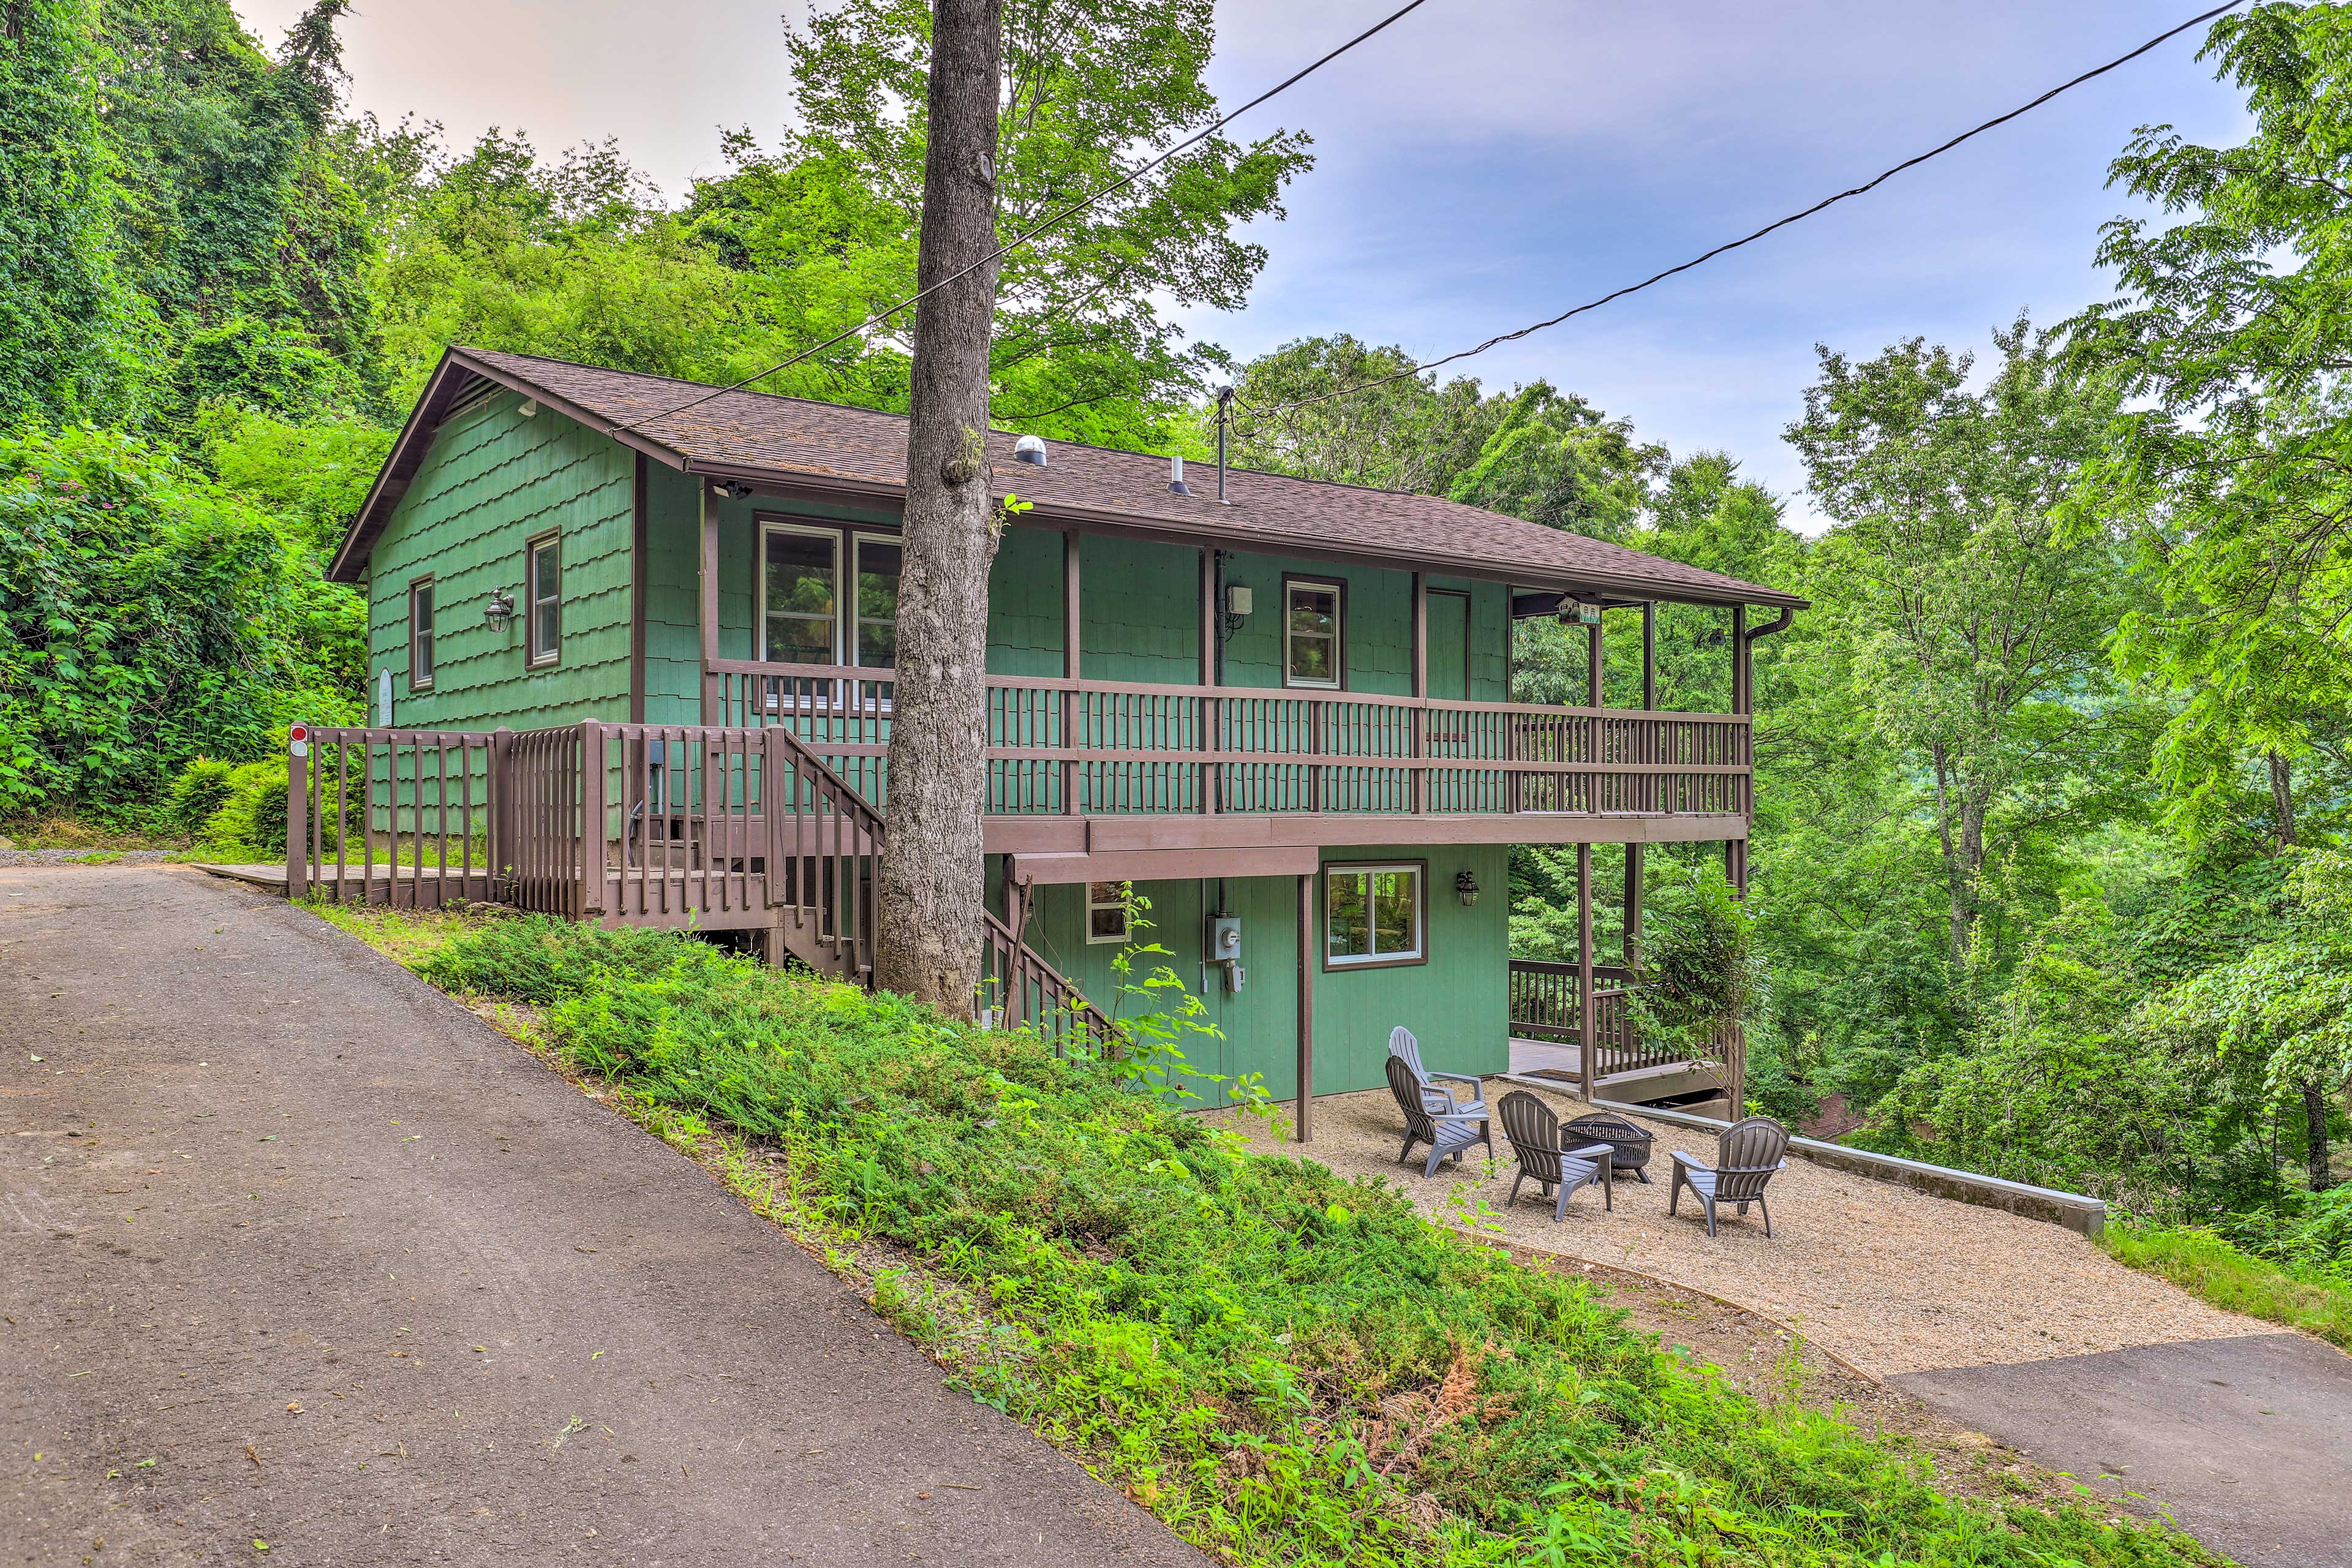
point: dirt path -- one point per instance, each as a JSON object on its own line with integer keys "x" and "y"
{"x": 294, "y": 1250}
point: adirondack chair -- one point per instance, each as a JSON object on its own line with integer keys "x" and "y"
{"x": 1431, "y": 1118}
{"x": 1401, "y": 1044}
{"x": 1751, "y": 1152}
{"x": 1534, "y": 1133}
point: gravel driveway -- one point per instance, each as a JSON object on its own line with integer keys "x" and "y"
{"x": 1889, "y": 1280}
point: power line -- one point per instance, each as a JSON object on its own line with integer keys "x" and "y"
{"x": 1067, "y": 213}
{"x": 1768, "y": 228}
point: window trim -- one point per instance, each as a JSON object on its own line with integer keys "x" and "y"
{"x": 535, "y": 657}
{"x": 1126, "y": 912}
{"x": 857, "y": 541}
{"x": 1338, "y": 588}
{"x": 838, "y": 537}
{"x": 426, "y": 584}
{"x": 1420, "y": 868}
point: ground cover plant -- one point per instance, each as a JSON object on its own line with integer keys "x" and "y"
{"x": 1286, "y": 1367}
{"x": 2300, "y": 1296}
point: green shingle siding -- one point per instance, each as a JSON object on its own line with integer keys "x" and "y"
{"x": 1457, "y": 1004}
{"x": 491, "y": 481}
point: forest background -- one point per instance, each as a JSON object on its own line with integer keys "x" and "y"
{"x": 2049, "y": 874}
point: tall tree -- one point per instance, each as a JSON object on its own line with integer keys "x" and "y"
{"x": 1406, "y": 433}
{"x": 1084, "y": 348}
{"x": 930, "y": 881}
{"x": 1976, "y": 630}
{"x": 2227, "y": 466}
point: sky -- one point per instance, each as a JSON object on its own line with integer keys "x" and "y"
{"x": 1485, "y": 163}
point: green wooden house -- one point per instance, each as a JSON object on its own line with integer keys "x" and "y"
{"x": 1281, "y": 720}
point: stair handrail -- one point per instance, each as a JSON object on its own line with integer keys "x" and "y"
{"x": 845, "y": 799}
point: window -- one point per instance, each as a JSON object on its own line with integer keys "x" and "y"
{"x": 878, "y": 603}
{"x": 1106, "y": 908}
{"x": 803, "y": 616}
{"x": 799, "y": 590}
{"x": 1310, "y": 633}
{"x": 543, "y": 597}
{"x": 1372, "y": 914}
{"x": 420, "y": 635}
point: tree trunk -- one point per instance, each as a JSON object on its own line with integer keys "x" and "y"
{"x": 2315, "y": 1128}
{"x": 930, "y": 887}
{"x": 2282, "y": 798}
{"x": 1956, "y": 885}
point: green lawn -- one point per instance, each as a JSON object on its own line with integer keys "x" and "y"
{"x": 1286, "y": 1367}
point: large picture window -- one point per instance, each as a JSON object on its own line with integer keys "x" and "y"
{"x": 1311, "y": 629}
{"x": 420, "y": 635}
{"x": 544, "y": 594}
{"x": 1372, "y": 914}
{"x": 828, "y": 597}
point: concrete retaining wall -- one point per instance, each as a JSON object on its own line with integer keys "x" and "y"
{"x": 2085, "y": 1216}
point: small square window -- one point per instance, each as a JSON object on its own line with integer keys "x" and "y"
{"x": 544, "y": 597}
{"x": 1312, "y": 614}
{"x": 1108, "y": 904}
{"x": 1372, "y": 914}
{"x": 420, "y": 635}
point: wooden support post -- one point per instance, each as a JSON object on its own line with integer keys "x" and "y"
{"x": 592, "y": 820}
{"x": 1211, "y": 615}
{"x": 298, "y": 826}
{"x": 712, "y": 701}
{"x": 1418, "y": 801}
{"x": 1649, "y": 657}
{"x": 1072, "y": 663}
{"x": 1739, "y": 658}
{"x": 502, "y": 809}
{"x": 1634, "y": 869}
{"x": 1306, "y": 1131}
{"x": 1588, "y": 1038}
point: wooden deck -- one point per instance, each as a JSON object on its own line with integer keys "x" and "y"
{"x": 1555, "y": 1066}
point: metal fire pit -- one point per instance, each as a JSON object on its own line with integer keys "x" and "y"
{"x": 1629, "y": 1146}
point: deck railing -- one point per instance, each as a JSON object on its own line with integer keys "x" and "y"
{"x": 676, "y": 825}
{"x": 1544, "y": 1005}
{"x": 1110, "y": 748}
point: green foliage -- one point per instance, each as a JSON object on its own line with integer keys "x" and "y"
{"x": 1700, "y": 971}
{"x": 69, "y": 328}
{"x": 148, "y": 616}
{"x": 310, "y": 477}
{"x": 202, "y": 789}
{"x": 1408, "y": 433}
{"x": 2205, "y": 1265}
{"x": 1286, "y": 1367}
{"x": 2231, "y": 337}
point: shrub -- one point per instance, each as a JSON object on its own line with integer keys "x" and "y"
{"x": 201, "y": 790}
{"x": 2206, "y": 1265}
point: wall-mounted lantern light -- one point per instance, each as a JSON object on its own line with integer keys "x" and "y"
{"x": 1466, "y": 888}
{"x": 498, "y": 611}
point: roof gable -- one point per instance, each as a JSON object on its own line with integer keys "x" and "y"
{"x": 859, "y": 453}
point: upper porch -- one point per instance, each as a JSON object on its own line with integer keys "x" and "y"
{"x": 1159, "y": 700}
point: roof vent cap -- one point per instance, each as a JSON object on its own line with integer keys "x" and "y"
{"x": 1176, "y": 485}
{"x": 1030, "y": 449}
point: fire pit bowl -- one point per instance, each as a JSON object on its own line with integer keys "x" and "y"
{"x": 1629, "y": 1146}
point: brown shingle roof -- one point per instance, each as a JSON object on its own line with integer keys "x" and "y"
{"x": 754, "y": 436}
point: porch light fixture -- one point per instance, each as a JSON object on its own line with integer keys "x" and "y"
{"x": 498, "y": 611}
{"x": 1466, "y": 888}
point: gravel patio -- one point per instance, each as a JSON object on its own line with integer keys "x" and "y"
{"x": 1889, "y": 1280}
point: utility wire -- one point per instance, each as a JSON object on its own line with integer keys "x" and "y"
{"x": 1067, "y": 213}
{"x": 1768, "y": 228}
